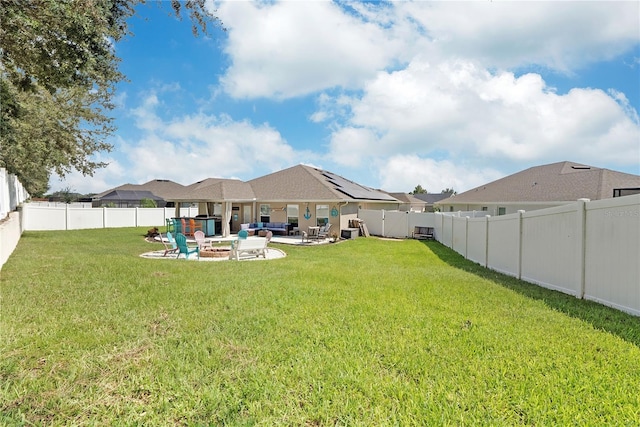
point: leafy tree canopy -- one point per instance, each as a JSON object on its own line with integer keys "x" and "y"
{"x": 418, "y": 190}
{"x": 58, "y": 74}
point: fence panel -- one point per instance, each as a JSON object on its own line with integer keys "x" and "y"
{"x": 396, "y": 224}
{"x": 503, "y": 249}
{"x": 374, "y": 219}
{"x": 447, "y": 231}
{"x": 44, "y": 218}
{"x": 477, "y": 240}
{"x": 80, "y": 218}
{"x": 612, "y": 251}
{"x": 120, "y": 217}
{"x": 551, "y": 254}
{"x": 459, "y": 235}
{"x": 420, "y": 219}
{"x": 152, "y": 217}
{"x": 10, "y": 232}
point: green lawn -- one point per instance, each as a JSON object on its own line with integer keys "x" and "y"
{"x": 364, "y": 332}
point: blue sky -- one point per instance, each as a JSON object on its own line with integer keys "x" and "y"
{"x": 390, "y": 95}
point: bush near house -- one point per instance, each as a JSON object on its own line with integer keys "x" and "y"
{"x": 367, "y": 332}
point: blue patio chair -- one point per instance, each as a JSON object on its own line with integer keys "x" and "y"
{"x": 181, "y": 241}
{"x": 177, "y": 225}
{"x": 170, "y": 248}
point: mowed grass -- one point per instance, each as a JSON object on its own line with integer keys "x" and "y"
{"x": 364, "y": 332}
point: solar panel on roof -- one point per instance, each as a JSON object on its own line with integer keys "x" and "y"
{"x": 353, "y": 190}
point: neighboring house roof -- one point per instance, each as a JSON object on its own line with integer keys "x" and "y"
{"x": 129, "y": 195}
{"x": 432, "y": 198}
{"x": 305, "y": 183}
{"x": 408, "y": 198}
{"x": 555, "y": 182}
{"x": 216, "y": 189}
{"x": 162, "y": 188}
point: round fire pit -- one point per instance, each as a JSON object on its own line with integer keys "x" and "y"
{"x": 215, "y": 252}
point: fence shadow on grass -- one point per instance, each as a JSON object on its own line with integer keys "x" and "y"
{"x": 599, "y": 316}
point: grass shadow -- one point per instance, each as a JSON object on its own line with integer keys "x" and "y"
{"x": 621, "y": 324}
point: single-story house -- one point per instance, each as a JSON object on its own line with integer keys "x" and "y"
{"x": 127, "y": 199}
{"x": 430, "y": 199}
{"x": 301, "y": 196}
{"x": 409, "y": 202}
{"x": 159, "y": 188}
{"x": 542, "y": 187}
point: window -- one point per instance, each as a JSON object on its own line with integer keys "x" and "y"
{"x": 292, "y": 215}
{"x": 265, "y": 213}
{"x": 502, "y": 211}
{"x": 485, "y": 208}
{"x": 322, "y": 214}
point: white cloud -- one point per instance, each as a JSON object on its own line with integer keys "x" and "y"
{"x": 559, "y": 35}
{"x": 465, "y": 111}
{"x": 193, "y": 147}
{"x": 290, "y": 49}
{"x": 402, "y": 173}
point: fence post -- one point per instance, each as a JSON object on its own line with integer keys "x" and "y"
{"x": 66, "y": 216}
{"x": 104, "y": 217}
{"x": 581, "y": 233}
{"x": 486, "y": 240}
{"x": 520, "y": 212}
{"x": 466, "y": 237}
{"x": 137, "y": 213}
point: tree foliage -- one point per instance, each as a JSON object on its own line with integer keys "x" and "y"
{"x": 418, "y": 190}
{"x": 58, "y": 77}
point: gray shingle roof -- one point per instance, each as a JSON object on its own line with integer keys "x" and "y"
{"x": 555, "y": 182}
{"x": 130, "y": 195}
{"x": 216, "y": 189}
{"x": 163, "y": 188}
{"x": 305, "y": 183}
{"x": 408, "y": 198}
{"x": 431, "y": 198}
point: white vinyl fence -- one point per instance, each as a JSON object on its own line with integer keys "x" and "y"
{"x": 12, "y": 194}
{"x": 37, "y": 217}
{"x": 589, "y": 249}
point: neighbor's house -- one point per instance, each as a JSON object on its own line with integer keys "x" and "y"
{"x": 543, "y": 187}
{"x": 301, "y": 195}
{"x": 431, "y": 199}
{"x": 130, "y": 195}
{"x": 409, "y": 202}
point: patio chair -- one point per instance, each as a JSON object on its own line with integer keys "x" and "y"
{"x": 200, "y": 240}
{"x": 323, "y": 233}
{"x": 184, "y": 228}
{"x": 170, "y": 248}
{"x": 181, "y": 241}
{"x": 194, "y": 225}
